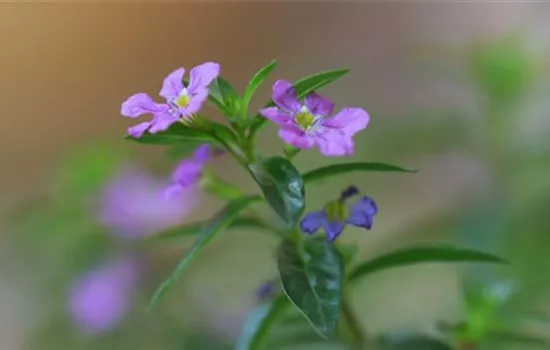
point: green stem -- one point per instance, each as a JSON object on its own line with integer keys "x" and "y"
{"x": 359, "y": 339}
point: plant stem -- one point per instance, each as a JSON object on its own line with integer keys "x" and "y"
{"x": 359, "y": 338}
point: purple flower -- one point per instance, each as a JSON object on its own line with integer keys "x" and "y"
{"x": 99, "y": 299}
{"x": 310, "y": 124}
{"x": 133, "y": 204}
{"x": 190, "y": 170}
{"x": 181, "y": 101}
{"x": 337, "y": 214}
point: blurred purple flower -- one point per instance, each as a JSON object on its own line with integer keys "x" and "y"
{"x": 181, "y": 101}
{"x": 304, "y": 126}
{"x": 133, "y": 204}
{"x": 337, "y": 214}
{"x": 189, "y": 171}
{"x": 267, "y": 289}
{"x": 100, "y": 299}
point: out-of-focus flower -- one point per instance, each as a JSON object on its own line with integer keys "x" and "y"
{"x": 189, "y": 171}
{"x": 267, "y": 289}
{"x": 310, "y": 124}
{"x": 337, "y": 214}
{"x": 134, "y": 204}
{"x": 100, "y": 299}
{"x": 181, "y": 101}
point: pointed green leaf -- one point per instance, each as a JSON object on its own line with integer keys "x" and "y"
{"x": 256, "y": 328}
{"x": 175, "y": 134}
{"x": 211, "y": 229}
{"x": 303, "y": 87}
{"x": 282, "y": 187}
{"x": 223, "y": 93}
{"x": 337, "y": 169}
{"x": 194, "y": 228}
{"x": 255, "y": 83}
{"x": 312, "y": 276}
{"x": 418, "y": 255}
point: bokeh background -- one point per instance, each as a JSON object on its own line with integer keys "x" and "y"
{"x": 456, "y": 90}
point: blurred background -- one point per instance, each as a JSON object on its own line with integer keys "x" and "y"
{"x": 456, "y": 90}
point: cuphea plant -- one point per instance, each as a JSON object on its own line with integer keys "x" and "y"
{"x": 314, "y": 271}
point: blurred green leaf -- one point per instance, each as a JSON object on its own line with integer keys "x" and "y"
{"x": 259, "y": 322}
{"x": 312, "y": 275}
{"x": 175, "y": 134}
{"x": 211, "y": 229}
{"x": 509, "y": 337}
{"x": 223, "y": 93}
{"x": 194, "y": 228}
{"x": 282, "y": 187}
{"x": 255, "y": 83}
{"x": 418, "y": 255}
{"x": 337, "y": 169}
{"x": 303, "y": 87}
{"x": 183, "y": 149}
{"x": 410, "y": 341}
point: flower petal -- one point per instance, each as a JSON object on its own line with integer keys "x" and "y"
{"x": 195, "y": 102}
{"x": 363, "y": 212}
{"x": 294, "y": 136}
{"x": 313, "y": 221}
{"x": 202, "y": 153}
{"x": 348, "y": 120}
{"x": 284, "y": 95}
{"x": 318, "y": 104}
{"x": 139, "y": 104}
{"x": 276, "y": 115}
{"x": 201, "y": 76}
{"x": 334, "y": 145}
{"x": 173, "y": 84}
{"x": 138, "y": 130}
{"x": 334, "y": 229}
{"x": 187, "y": 173}
{"x": 162, "y": 121}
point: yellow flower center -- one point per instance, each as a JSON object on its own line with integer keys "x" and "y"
{"x": 336, "y": 211}
{"x": 305, "y": 119}
{"x": 182, "y": 100}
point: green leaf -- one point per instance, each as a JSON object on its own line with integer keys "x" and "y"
{"x": 194, "y": 228}
{"x": 211, "y": 229}
{"x": 255, "y": 83}
{"x": 282, "y": 187}
{"x": 259, "y": 322}
{"x": 337, "y": 169}
{"x": 183, "y": 149}
{"x": 303, "y": 87}
{"x": 410, "y": 341}
{"x": 177, "y": 133}
{"x": 418, "y": 255}
{"x": 312, "y": 276}
{"x": 509, "y": 337}
{"x": 223, "y": 93}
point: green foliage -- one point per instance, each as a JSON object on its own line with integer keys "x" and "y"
{"x": 312, "y": 275}
{"x": 176, "y": 134}
{"x": 225, "y": 97}
{"x": 255, "y": 83}
{"x": 410, "y": 341}
{"x": 337, "y": 169}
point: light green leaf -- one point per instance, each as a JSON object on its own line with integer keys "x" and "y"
{"x": 255, "y": 83}
{"x": 223, "y": 93}
{"x": 282, "y": 187}
{"x": 211, "y": 229}
{"x": 255, "y": 330}
{"x": 175, "y": 134}
{"x": 337, "y": 169}
{"x": 419, "y": 255}
{"x": 303, "y": 87}
{"x": 312, "y": 275}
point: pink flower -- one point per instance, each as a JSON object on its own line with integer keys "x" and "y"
{"x": 181, "y": 101}
{"x": 309, "y": 124}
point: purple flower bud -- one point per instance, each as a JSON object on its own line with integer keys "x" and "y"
{"x": 99, "y": 299}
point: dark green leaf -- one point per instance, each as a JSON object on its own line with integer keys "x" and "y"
{"x": 408, "y": 341}
{"x": 223, "y": 93}
{"x": 337, "y": 169}
{"x": 259, "y": 322}
{"x": 411, "y": 256}
{"x": 176, "y": 133}
{"x": 194, "y": 228}
{"x": 282, "y": 186}
{"x": 312, "y": 276}
{"x": 255, "y": 82}
{"x": 303, "y": 87}
{"x": 211, "y": 229}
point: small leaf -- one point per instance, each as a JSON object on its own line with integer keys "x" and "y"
{"x": 212, "y": 228}
{"x": 175, "y": 134}
{"x": 194, "y": 228}
{"x": 259, "y": 322}
{"x": 337, "y": 169}
{"x": 282, "y": 186}
{"x": 255, "y": 83}
{"x": 420, "y": 255}
{"x": 303, "y": 87}
{"x": 223, "y": 93}
{"x": 312, "y": 276}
